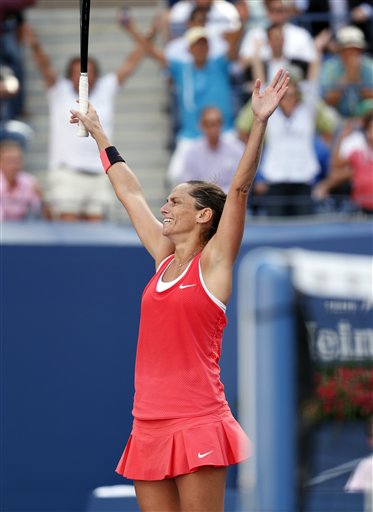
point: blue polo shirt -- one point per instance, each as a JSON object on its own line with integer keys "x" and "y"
{"x": 199, "y": 88}
{"x": 331, "y": 74}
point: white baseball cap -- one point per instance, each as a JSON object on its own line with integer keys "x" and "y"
{"x": 351, "y": 37}
{"x": 194, "y": 34}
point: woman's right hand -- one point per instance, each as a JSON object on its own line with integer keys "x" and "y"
{"x": 92, "y": 123}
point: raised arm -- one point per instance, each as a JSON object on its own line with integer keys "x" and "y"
{"x": 131, "y": 62}
{"x": 233, "y": 39}
{"x": 230, "y": 231}
{"x": 222, "y": 249}
{"x": 146, "y": 42}
{"x": 129, "y": 192}
{"x": 257, "y": 63}
{"x": 42, "y": 60}
{"x": 322, "y": 40}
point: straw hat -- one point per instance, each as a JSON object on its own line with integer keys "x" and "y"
{"x": 194, "y": 34}
{"x": 350, "y": 37}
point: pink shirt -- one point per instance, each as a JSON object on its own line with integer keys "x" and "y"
{"x": 16, "y": 203}
{"x": 177, "y": 365}
{"x": 362, "y": 177}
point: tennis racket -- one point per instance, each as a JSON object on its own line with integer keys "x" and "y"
{"x": 85, "y": 7}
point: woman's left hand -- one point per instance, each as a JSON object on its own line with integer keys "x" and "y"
{"x": 265, "y": 103}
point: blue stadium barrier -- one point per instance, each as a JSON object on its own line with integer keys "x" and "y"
{"x": 267, "y": 379}
{"x": 271, "y": 283}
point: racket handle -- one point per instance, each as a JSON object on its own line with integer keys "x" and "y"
{"x": 83, "y": 102}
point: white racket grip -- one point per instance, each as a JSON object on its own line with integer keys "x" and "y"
{"x": 83, "y": 102}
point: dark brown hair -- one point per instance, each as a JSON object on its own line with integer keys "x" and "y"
{"x": 274, "y": 26}
{"x": 195, "y": 13}
{"x": 76, "y": 59}
{"x": 208, "y": 195}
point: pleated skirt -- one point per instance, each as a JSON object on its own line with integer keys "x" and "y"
{"x": 159, "y": 449}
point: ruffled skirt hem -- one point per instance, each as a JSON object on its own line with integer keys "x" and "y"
{"x": 160, "y": 449}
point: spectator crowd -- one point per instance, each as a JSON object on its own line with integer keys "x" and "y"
{"x": 318, "y": 151}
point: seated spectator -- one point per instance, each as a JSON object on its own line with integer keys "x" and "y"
{"x": 266, "y": 68}
{"x": 178, "y": 48}
{"x": 334, "y": 14}
{"x": 11, "y": 58}
{"x": 346, "y": 79}
{"x": 353, "y": 165}
{"x": 16, "y": 130}
{"x": 222, "y": 16}
{"x": 276, "y": 58}
{"x": 212, "y": 158}
{"x": 199, "y": 82}
{"x": 20, "y": 194}
{"x": 298, "y": 43}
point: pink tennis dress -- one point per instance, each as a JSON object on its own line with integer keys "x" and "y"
{"x": 181, "y": 417}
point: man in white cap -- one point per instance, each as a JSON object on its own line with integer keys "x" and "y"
{"x": 347, "y": 78}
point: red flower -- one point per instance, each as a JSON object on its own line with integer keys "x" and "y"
{"x": 344, "y": 393}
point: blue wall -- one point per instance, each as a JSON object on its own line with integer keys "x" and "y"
{"x": 69, "y": 317}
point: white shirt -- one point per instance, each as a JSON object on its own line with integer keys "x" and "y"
{"x": 221, "y": 17}
{"x": 362, "y": 478}
{"x": 298, "y": 44}
{"x": 257, "y": 14}
{"x": 66, "y": 149}
{"x": 274, "y": 65}
{"x": 289, "y": 145}
{"x": 356, "y": 141}
{"x": 215, "y": 165}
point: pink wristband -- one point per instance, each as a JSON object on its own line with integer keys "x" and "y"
{"x": 110, "y": 156}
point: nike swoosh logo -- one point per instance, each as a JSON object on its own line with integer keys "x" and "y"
{"x": 202, "y": 455}
{"x": 182, "y": 286}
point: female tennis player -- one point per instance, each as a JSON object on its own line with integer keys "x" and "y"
{"x": 184, "y": 435}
